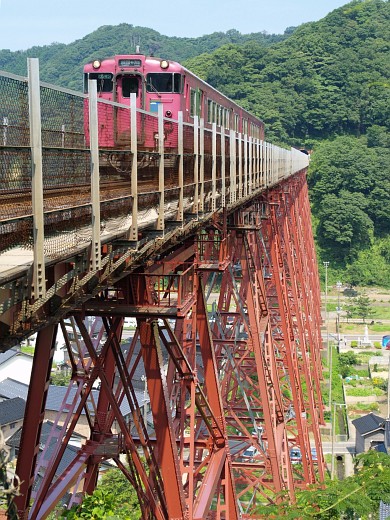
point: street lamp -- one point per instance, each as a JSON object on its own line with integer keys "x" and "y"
{"x": 333, "y": 436}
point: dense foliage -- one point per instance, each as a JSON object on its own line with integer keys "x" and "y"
{"x": 327, "y": 88}
{"x": 114, "y": 498}
{"x": 357, "y": 496}
{"x": 329, "y": 77}
{"x": 62, "y": 64}
{"x": 324, "y": 86}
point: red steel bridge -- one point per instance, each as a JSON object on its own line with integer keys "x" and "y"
{"x": 208, "y": 250}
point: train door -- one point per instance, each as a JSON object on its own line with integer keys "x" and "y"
{"x": 127, "y": 84}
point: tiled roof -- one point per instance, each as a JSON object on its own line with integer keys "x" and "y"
{"x": 384, "y": 511}
{"x": 69, "y": 453}
{"x": 56, "y": 395}
{"x": 368, "y": 423}
{"x": 5, "y": 356}
{"x": 11, "y": 410}
{"x": 10, "y": 388}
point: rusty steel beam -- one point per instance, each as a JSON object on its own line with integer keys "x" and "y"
{"x": 34, "y": 416}
{"x": 219, "y": 381}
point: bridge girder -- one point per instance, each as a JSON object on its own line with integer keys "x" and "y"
{"x": 226, "y": 377}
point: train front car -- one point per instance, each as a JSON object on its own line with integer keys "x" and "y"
{"x": 153, "y": 80}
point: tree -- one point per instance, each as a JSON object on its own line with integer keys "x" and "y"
{"x": 114, "y": 498}
{"x": 343, "y": 228}
{"x": 350, "y": 308}
{"x": 353, "y": 497}
{"x": 363, "y": 306}
{"x": 8, "y": 490}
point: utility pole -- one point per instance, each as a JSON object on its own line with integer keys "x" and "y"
{"x": 333, "y": 437}
{"x": 326, "y": 265}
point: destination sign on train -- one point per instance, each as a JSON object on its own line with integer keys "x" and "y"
{"x": 130, "y": 63}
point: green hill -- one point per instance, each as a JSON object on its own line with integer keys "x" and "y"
{"x": 327, "y": 87}
{"x": 324, "y": 85}
{"x": 62, "y": 64}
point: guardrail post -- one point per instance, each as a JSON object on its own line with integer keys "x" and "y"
{"x": 180, "y": 150}
{"x": 95, "y": 259}
{"x": 214, "y": 169}
{"x": 257, "y": 163}
{"x": 196, "y": 165}
{"x": 250, "y": 165}
{"x": 34, "y": 97}
{"x": 261, "y": 164}
{"x": 223, "y": 169}
{"x": 201, "y": 168}
{"x": 133, "y": 235}
{"x": 245, "y": 165}
{"x": 233, "y": 179}
{"x": 5, "y": 128}
{"x": 240, "y": 190}
{"x": 161, "y": 180}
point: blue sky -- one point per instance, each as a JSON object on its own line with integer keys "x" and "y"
{"x": 24, "y": 23}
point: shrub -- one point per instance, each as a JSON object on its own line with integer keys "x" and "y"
{"x": 354, "y": 343}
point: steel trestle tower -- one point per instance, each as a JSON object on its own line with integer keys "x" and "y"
{"x": 236, "y": 375}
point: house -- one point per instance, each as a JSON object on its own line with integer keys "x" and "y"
{"x": 384, "y": 511}
{"x": 67, "y": 457}
{"x": 10, "y": 388}
{"x": 371, "y": 432}
{"x": 11, "y": 415}
{"x": 16, "y": 364}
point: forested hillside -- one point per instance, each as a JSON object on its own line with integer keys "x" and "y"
{"x": 324, "y": 86}
{"x": 327, "y": 87}
{"x": 62, "y": 64}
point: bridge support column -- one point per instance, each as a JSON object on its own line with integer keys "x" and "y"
{"x": 34, "y": 416}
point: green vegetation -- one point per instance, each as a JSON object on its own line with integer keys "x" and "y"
{"x": 353, "y": 497}
{"x": 114, "y": 498}
{"x": 324, "y": 86}
{"x": 60, "y": 378}
{"x": 62, "y": 64}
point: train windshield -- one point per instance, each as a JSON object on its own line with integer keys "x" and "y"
{"x": 104, "y": 81}
{"x": 129, "y": 86}
{"x": 163, "y": 82}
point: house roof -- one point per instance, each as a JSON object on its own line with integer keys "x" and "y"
{"x": 384, "y": 511}
{"x": 13, "y": 352}
{"x": 5, "y": 356}
{"x": 14, "y": 440}
{"x": 368, "y": 423}
{"x": 69, "y": 453}
{"x": 10, "y": 388}
{"x": 12, "y": 410}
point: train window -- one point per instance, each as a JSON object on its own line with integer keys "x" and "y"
{"x": 209, "y": 111}
{"x": 129, "y": 86}
{"x": 193, "y": 103}
{"x": 104, "y": 81}
{"x": 177, "y": 83}
{"x": 236, "y": 122}
{"x": 163, "y": 82}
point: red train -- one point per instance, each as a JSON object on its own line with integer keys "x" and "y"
{"x": 156, "y": 81}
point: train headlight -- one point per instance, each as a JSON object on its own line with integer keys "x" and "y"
{"x": 96, "y": 64}
{"x": 164, "y": 64}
